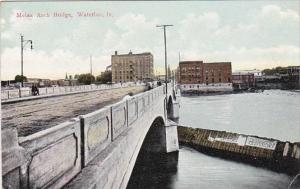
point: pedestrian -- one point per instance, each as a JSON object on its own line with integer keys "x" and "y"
{"x": 33, "y": 90}
{"x": 37, "y": 90}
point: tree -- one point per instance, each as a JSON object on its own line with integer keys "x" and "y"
{"x": 18, "y": 78}
{"x": 86, "y": 79}
{"x": 76, "y": 76}
{"x": 66, "y": 76}
{"x": 105, "y": 77}
{"x": 70, "y": 77}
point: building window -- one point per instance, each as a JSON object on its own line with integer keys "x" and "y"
{"x": 212, "y": 80}
{"x": 229, "y": 79}
{"x": 220, "y": 79}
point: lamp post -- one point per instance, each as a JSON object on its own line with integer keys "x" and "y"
{"x": 166, "y": 67}
{"x": 23, "y": 44}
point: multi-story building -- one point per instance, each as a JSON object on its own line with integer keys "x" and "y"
{"x": 243, "y": 80}
{"x": 205, "y": 77}
{"x": 191, "y": 72}
{"x": 132, "y": 67}
{"x": 217, "y": 72}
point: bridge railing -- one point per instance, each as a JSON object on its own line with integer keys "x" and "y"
{"x": 26, "y": 91}
{"x": 55, "y": 155}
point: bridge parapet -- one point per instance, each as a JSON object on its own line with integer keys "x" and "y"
{"x": 104, "y": 143}
{"x": 7, "y": 95}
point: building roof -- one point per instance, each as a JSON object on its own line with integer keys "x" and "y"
{"x": 131, "y": 54}
{"x": 242, "y": 73}
{"x": 190, "y": 61}
{"x": 217, "y": 62}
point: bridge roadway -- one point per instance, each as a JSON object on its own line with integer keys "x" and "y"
{"x": 32, "y": 116}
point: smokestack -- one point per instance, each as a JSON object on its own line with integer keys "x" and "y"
{"x": 116, "y": 52}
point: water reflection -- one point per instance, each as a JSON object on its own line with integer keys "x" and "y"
{"x": 190, "y": 169}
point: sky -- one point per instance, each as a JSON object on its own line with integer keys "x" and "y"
{"x": 250, "y": 34}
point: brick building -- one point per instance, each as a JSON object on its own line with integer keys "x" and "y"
{"x": 243, "y": 80}
{"x": 132, "y": 67}
{"x": 205, "y": 77}
{"x": 191, "y": 72}
{"x": 197, "y": 72}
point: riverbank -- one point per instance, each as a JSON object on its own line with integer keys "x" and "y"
{"x": 258, "y": 151}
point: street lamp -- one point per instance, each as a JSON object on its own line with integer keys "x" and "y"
{"x": 23, "y": 44}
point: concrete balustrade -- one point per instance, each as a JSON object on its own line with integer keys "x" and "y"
{"x": 13, "y": 94}
{"x": 119, "y": 121}
{"x": 6, "y": 95}
{"x": 25, "y": 92}
{"x": 146, "y": 100}
{"x": 141, "y": 104}
{"x": 132, "y": 107}
{"x": 56, "y": 90}
{"x": 53, "y": 156}
{"x": 96, "y": 128}
{"x": 42, "y": 91}
{"x": 50, "y": 90}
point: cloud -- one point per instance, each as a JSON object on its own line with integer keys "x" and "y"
{"x": 133, "y": 31}
{"x": 54, "y": 65}
{"x": 276, "y": 12}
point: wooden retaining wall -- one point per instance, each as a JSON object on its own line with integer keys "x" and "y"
{"x": 272, "y": 153}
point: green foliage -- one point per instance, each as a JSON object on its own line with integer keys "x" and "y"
{"x": 104, "y": 78}
{"x": 18, "y": 78}
{"x": 86, "y": 79}
{"x": 279, "y": 69}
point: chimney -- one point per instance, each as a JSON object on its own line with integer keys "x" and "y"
{"x": 116, "y": 52}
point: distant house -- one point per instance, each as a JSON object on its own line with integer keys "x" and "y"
{"x": 37, "y": 81}
{"x": 243, "y": 80}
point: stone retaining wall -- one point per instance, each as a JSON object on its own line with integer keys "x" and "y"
{"x": 271, "y": 153}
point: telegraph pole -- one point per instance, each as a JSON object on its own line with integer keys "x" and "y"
{"x": 91, "y": 65}
{"x": 166, "y": 67}
{"x": 23, "y": 44}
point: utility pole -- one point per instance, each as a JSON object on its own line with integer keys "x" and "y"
{"x": 91, "y": 65}
{"x": 166, "y": 67}
{"x": 23, "y": 44}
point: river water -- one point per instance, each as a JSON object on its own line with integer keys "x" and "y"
{"x": 273, "y": 113}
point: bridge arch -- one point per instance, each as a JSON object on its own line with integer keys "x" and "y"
{"x": 153, "y": 158}
{"x": 155, "y": 139}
